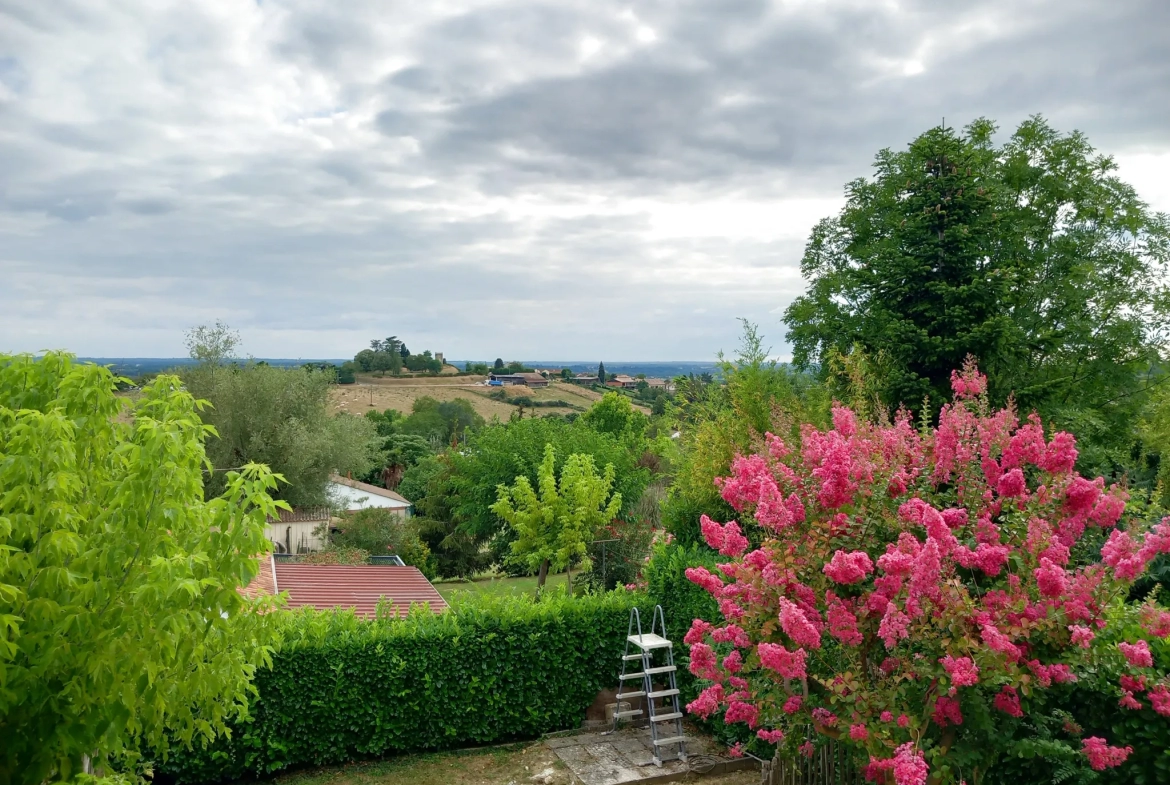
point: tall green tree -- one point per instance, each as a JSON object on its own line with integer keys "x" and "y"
{"x": 120, "y": 620}
{"x": 1033, "y": 256}
{"x": 212, "y": 344}
{"x": 601, "y": 372}
{"x": 555, "y": 521}
{"x": 615, "y": 415}
{"x": 280, "y": 417}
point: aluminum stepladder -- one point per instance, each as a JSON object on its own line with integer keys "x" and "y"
{"x": 644, "y": 647}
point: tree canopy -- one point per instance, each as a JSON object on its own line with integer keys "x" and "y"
{"x": 122, "y": 623}
{"x": 556, "y": 520}
{"x": 280, "y": 417}
{"x": 1032, "y": 256}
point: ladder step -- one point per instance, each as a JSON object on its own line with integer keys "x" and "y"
{"x": 671, "y": 740}
{"x": 632, "y": 656}
{"x": 649, "y": 641}
{"x": 674, "y": 715}
{"x": 627, "y": 676}
{"x": 624, "y": 695}
{"x": 662, "y": 694}
{"x": 661, "y": 669}
{"x": 630, "y": 713}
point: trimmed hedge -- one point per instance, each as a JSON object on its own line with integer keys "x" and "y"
{"x": 490, "y": 669}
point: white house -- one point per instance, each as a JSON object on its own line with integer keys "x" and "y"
{"x": 352, "y": 496}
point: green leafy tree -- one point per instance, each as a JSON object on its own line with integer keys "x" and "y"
{"x": 441, "y": 421}
{"x": 346, "y": 373}
{"x": 382, "y": 362}
{"x": 428, "y": 485}
{"x": 615, "y": 415}
{"x": 499, "y": 453}
{"x": 601, "y": 372}
{"x": 212, "y": 344}
{"x": 280, "y": 417}
{"x": 567, "y": 373}
{"x": 122, "y": 624}
{"x": 498, "y": 364}
{"x": 1033, "y": 256}
{"x": 364, "y": 359}
{"x": 555, "y": 521}
{"x": 380, "y": 532}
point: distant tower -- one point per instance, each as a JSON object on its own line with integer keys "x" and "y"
{"x": 439, "y": 357}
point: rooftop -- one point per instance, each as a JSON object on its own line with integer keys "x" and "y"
{"x": 365, "y": 487}
{"x": 357, "y": 586}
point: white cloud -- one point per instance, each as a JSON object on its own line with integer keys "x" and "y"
{"x": 563, "y": 179}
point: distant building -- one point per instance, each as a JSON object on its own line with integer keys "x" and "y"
{"x": 520, "y": 379}
{"x": 353, "y": 496}
{"x": 357, "y": 586}
{"x": 623, "y": 381}
{"x": 664, "y": 384}
{"x": 585, "y": 379}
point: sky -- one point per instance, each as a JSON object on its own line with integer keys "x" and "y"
{"x": 570, "y": 179}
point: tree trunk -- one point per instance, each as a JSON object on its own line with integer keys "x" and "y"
{"x": 542, "y": 574}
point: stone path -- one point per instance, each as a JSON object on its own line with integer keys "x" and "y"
{"x": 625, "y": 756}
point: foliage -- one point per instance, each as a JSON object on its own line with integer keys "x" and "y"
{"x": 423, "y": 363}
{"x": 212, "y": 344}
{"x": 441, "y": 422}
{"x": 615, "y": 415}
{"x": 556, "y": 520}
{"x": 455, "y": 553}
{"x": 346, "y": 373}
{"x": 845, "y": 619}
{"x": 497, "y": 454}
{"x": 1090, "y": 707}
{"x": 381, "y": 532}
{"x": 1033, "y": 256}
{"x": 335, "y": 555}
{"x": 718, "y": 422}
{"x": 279, "y": 417}
{"x": 1154, "y": 431}
{"x": 107, "y": 542}
{"x": 601, "y": 377}
{"x": 490, "y": 669}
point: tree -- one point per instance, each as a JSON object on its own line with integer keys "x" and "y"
{"x": 427, "y": 484}
{"x": 212, "y": 345}
{"x": 497, "y": 454}
{"x": 383, "y": 361}
{"x": 914, "y": 590}
{"x": 365, "y": 359}
{"x": 441, "y": 421}
{"x": 567, "y": 374}
{"x": 107, "y": 543}
{"x": 380, "y": 532}
{"x": 1033, "y": 256}
{"x": 345, "y": 373}
{"x": 615, "y": 415}
{"x": 601, "y": 373}
{"x": 280, "y": 417}
{"x": 498, "y": 364}
{"x": 555, "y": 521}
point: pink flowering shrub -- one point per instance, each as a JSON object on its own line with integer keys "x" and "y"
{"x": 915, "y": 573}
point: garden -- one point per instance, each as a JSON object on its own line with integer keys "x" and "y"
{"x": 938, "y": 541}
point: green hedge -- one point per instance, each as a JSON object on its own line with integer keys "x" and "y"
{"x": 490, "y": 669}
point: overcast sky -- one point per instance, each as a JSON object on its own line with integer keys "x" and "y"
{"x": 571, "y": 179}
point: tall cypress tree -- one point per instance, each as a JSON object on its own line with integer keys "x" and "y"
{"x": 601, "y": 372}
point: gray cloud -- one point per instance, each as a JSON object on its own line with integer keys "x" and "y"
{"x": 567, "y": 179}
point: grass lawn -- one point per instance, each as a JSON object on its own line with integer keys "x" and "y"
{"x": 526, "y": 585}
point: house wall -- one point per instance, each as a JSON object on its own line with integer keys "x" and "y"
{"x": 354, "y": 499}
{"x": 298, "y": 536}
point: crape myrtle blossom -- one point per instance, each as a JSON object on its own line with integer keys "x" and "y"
{"x": 905, "y": 571}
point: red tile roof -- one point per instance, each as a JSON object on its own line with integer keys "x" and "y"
{"x": 265, "y": 580}
{"x": 357, "y": 586}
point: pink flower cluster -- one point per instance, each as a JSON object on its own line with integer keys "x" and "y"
{"x": 1101, "y": 756}
{"x": 962, "y": 670}
{"x": 888, "y": 533}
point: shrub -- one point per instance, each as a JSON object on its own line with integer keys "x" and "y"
{"x": 489, "y": 669}
{"x": 380, "y": 532}
{"x": 916, "y": 650}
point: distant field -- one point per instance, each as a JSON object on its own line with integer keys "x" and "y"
{"x": 525, "y": 585}
{"x": 373, "y": 392}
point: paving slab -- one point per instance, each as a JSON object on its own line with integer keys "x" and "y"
{"x": 623, "y": 757}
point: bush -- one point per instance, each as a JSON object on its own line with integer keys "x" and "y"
{"x": 381, "y": 533}
{"x": 490, "y": 669}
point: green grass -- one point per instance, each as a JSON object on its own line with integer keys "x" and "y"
{"x": 526, "y": 585}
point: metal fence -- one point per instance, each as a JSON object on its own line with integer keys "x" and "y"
{"x": 830, "y": 764}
